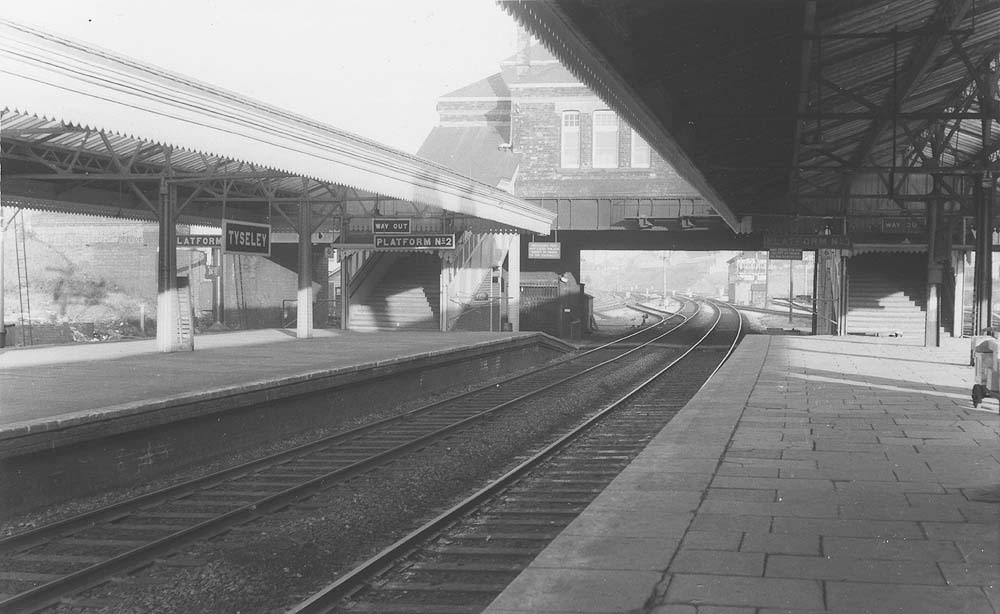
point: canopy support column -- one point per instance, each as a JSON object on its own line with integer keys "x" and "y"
{"x": 932, "y": 319}
{"x": 346, "y": 260}
{"x": 514, "y": 282}
{"x": 983, "y": 280}
{"x": 167, "y": 325}
{"x": 304, "y": 319}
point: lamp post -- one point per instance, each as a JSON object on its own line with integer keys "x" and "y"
{"x": 791, "y": 292}
{"x": 665, "y": 256}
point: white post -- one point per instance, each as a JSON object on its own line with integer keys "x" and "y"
{"x": 514, "y": 282}
{"x": 443, "y": 276}
{"x": 304, "y": 319}
{"x": 958, "y": 308}
{"x": 346, "y": 258}
{"x": 166, "y": 298}
{"x": 3, "y": 231}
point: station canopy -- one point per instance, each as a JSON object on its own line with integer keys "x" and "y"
{"x": 787, "y": 115}
{"x": 86, "y": 130}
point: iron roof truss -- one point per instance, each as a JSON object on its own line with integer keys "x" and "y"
{"x": 85, "y": 130}
{"x": 792, "y": 108}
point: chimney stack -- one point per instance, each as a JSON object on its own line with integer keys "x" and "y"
{"x": 522, "y": 59}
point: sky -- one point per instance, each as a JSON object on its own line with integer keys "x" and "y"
{"x": 372, "y": 67}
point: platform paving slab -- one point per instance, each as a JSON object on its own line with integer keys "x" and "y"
{"x": 40, "y": 383}
{"x": 832, "y": 475}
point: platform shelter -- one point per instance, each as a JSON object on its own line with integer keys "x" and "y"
{"x": 86, "y": 130}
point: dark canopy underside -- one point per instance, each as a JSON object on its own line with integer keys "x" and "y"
{"x": 788, "y": 106}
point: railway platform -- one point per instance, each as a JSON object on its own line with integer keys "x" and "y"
{"x": 810, "y": 475}
{"x": 75, "y": 419}
{"x": 52, "y": 385}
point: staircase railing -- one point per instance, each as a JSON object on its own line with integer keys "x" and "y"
{"x": 365, "y": 270}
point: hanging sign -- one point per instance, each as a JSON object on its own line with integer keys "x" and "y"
{"x": 903, "y": 225}
{"x": 246, "y": 238}
{"x": 784, "y": 253}
{"x": 808, "y": 241}
{"x": 390, "y": 226}
{"x": 415, "y": 242}
{"x": 548, "y": 250}
{"x": 199, "y": 240}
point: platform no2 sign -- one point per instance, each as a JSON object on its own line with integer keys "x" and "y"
{"x": 246, "y": 238}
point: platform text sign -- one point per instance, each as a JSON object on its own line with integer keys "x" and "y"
{"x": 549, "y": 250}
{"x": 807, "y": 241}
{"x": 199, "y": 241}
{"x": 391, "y": 226}
{"x": 903, "y": 225}
{"x": 784, "y": 253}
{"x": 246, "y": 238}
{"x": 415, "y": 242}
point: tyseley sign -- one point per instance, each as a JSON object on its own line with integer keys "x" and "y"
{"x": 415, "y": 242}
{"x": 246, "y": 238}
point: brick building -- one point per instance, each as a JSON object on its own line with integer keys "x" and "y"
{"x": 533, "y": 128}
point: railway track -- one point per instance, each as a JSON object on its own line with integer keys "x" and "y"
{"x": 460, "y": 561}
{"x": 47, "y": 565}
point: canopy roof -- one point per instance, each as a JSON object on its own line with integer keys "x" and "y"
{"x": 794, "y": 107}
{"x": 84, "y": 129}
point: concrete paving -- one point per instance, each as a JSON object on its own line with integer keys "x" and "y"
{"x": 37, "y": 384}
{"x": 811, "y": 475}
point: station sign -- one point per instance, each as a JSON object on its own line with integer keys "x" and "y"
{"x": 391, "y": 226}
{"x": 550, "y": 250}
{"x": 807, "y": 241}
{"x": 784, "y": 253}
{"x": 904, "y": 225}
{"x": 415, "y": 242}
{"x": 246, "y": 238}
{"x": 199, "y": 241}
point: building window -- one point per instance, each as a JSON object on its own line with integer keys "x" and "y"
{"x": 605, "y": 139}
{"x": 640, "y": 151}
{"x": 570, "y": 139}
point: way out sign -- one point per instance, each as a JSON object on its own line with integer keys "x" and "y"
{"x": 246, "y": 238}
{"x": 390, "y": 226}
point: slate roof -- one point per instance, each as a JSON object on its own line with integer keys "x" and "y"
{"x": 473, "y": 151}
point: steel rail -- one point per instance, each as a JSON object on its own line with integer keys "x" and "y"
{"x": 51, "y": 592}
{"x": 324, "y": 600}
{"x": 39, "y": 535}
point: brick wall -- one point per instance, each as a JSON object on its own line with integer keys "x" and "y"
{"x": 537, "y": 137}
{"x": 465, "y": 111}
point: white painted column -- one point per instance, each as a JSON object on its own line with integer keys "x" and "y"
{"x": 167, "y": 326}
{"x": 514, "y": 282}
{"x": 304, "y": 319}
{"x": 443, "y": 293}
{"x": 958, "y": 308}
{"x": 346, "y": 257}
